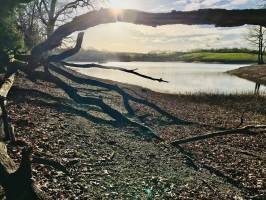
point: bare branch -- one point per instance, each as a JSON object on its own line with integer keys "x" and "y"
{"x": 70, "y": 52}
{"x": 39, "y": 7}
{"x": 244, "y": 130}
{"x": 44, "y": 3}
{"x": 72, "y": 5}
{"x": 131, "y": 71}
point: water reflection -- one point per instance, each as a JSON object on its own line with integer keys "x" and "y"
{"x": 182, "y": 77}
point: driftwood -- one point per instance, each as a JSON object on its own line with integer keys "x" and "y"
{"x": 217, "y": 17}
{"x": 130, "y": 71}
{"x": 244, "y": 130}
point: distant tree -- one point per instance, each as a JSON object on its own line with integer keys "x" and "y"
{"x": 29, "y": 24}
{"x": 257, "y": 37}
{"x": 11, "y": 39}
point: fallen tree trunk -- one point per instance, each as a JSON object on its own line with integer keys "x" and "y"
{"x": 243, "y": 130}
{"x": 217, "y": 17}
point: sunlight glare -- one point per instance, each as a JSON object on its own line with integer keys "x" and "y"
{"x": 118, "y": 4}
{"x": 116, "y": 11}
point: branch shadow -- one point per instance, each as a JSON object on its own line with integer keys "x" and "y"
{"x": 127, "y": 98}
{"x": 118, "y": 119}
{"x": 125, "y": 95}
{"x": 57, "y": 103}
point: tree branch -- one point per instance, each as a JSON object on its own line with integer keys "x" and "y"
{"x": 45, "y": 5}
{"x": 243, "y": 130}
{"x": 70, "y": 52}
{"x": 73, "y": 5}
{"x": 130, "y": 71}
{"x": 217, "y": 17}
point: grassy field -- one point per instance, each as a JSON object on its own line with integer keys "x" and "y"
{"x": 219, "y": 57}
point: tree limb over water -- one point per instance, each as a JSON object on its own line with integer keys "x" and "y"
{"x": 217, "y": 17}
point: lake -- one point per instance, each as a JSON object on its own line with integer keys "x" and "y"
{"x": 182, "y": 77}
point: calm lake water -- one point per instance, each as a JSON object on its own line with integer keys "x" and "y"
{"x": 182, "y": 77}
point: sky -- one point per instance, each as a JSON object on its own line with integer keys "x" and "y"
{"x": 123, "y": 37}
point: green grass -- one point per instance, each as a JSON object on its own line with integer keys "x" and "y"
{"x": 219, "y": 57}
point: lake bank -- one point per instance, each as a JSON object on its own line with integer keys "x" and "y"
{"x": 117, "y": 162}
{"x": 255, "y": 73}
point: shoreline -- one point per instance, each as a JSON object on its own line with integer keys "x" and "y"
{"x": 170, "y": 61}
{"x": 254, "y": 73}
{"x": 61, "y": 128}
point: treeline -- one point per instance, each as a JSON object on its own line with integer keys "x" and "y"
{"x": 232, "y": 55}
{"x": 227, "y": 50}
